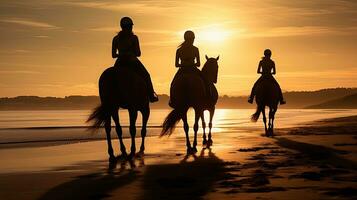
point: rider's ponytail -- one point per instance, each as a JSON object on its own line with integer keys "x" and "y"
{"x": 189, "y": 37}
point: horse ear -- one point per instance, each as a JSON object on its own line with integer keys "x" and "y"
{"x": 217, "y": 58}
{"x": 206, "y": 57}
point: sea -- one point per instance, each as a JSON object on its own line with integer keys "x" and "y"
{"x": 70, "y": 125}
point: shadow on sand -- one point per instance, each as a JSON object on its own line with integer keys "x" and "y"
{"x": 100, "y": 184}
{"x": 318, "y": 154}
{"x": 191, "y": 178}
{"x": 185, "y": 180}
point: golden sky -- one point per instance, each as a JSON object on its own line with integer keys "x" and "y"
{"x": 59, "y": 48}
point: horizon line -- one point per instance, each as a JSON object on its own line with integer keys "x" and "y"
{"x": 79, "y": 95}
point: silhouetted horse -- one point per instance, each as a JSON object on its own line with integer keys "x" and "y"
{"x": 190, "y": 90}
{"x": 121, "y": 88}
{"x": 267, "y": 94}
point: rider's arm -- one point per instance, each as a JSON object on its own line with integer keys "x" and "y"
{"x": 273, "y": 69}
{"x": 259, "y": 71}
{"x": 177, "y": 59}
{"x": 136, "y": 46}
{"x": 114, "y": 48}
{"x": 197, "y": 56}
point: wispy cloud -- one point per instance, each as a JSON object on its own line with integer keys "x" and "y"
{"x": 18, "y": 72}
{"x": 30, "y": 23}
{"x": 289, "y": 31}
{"x": 116, "y": 29}
{"x": 292, "y": 31}
{"x": 41, "y": 36}
{"x": 137, "y": 7}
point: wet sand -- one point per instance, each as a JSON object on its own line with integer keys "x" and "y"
{"x": 315, "y": 161}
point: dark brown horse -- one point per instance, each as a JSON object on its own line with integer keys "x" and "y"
{"x": 121, "y": 88}
{"x": 267, "y": 94}
{"x": 191, "y": 90}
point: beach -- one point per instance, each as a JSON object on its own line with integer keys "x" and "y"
{"x": 311, "y": 160}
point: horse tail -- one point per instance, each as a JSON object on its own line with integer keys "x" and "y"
{"x": 255, "y": 116}
{"x": 99, "y": 115}
{"x": 170, "y": 122}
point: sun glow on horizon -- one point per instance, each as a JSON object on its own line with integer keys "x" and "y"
{"x": 213, "y": 35}
{"x": 210, "y": 33}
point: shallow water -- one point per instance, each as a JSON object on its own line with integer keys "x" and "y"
{"x": 30, "y": 126}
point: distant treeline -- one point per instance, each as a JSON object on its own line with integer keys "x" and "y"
{"x": 326, "y": 98}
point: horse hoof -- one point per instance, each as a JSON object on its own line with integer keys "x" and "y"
{"x": 142, "y": 149}
{"x": 190, "y": 151}
{"x": 124, "y": 154}
{"x": 140, "y": 154}
{"x": 194, "y": 150}
{"x": 131, "y": 155}
{"x": 209, "y": 143}
{"x": 204, "y": 142}
{"x": 112, "y": 159}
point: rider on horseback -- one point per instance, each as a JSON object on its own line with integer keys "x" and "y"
{"x": 187, "y": 58}
{"x": 126, "y": 48}
{"x": 188, "y": 54}
{"x": 267, "y": 69}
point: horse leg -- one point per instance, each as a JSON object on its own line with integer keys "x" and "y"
{"x": 270, "y": 117}
{"x": 198, "y": 114}
{"x": 145, "y": 115}
{"x": 108, "y": 127}
{"x": 204, "y": 129}
{"x": 186, "y": 128}
{"x": 119, "y": 133}
{"x": 133, "y": 114}
{"x": 211, "y": 114}
{"x": 272, "y": 121}
{"x": 265, "y": 121}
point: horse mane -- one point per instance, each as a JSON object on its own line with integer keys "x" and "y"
{"x": 210, "y": 70}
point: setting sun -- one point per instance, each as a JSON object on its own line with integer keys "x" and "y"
{"x": 213, "y": 35}
{"x": 167, "y": 99}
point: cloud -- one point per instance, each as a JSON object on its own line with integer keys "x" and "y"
{"x": 4, "y": 72}
{"x": 30, "y": 23}
{"x": 41, "y": 36}
{"x": 137, "y": 7}
{"x": 116, "y": 29}
{"x": 288, "y": 31}
{"x": 292, "y": 31}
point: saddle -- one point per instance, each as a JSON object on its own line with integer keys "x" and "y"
{"x": 211, "y": 90}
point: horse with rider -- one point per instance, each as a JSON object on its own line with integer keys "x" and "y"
{"x": 128, "y": 85}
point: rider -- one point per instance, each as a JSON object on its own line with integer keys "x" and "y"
{"x": 187, "y": 57}
{"x": 126, "y": 48}
{"x": 267, "y": 69}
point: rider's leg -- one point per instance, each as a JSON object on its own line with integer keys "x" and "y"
{"x": 141, "y": 70}
{"x": 172, "y": 100}
{"x": 252, "y": 93}
{"x": 282, "y": 101}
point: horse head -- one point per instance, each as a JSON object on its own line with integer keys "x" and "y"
{"x": 210, "y": 69}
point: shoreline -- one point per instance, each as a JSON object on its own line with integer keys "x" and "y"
{"x": 300, "y": 162}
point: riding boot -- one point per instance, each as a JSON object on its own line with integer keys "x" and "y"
{"x": 251, "y": 99}
{"x": 153, "y": 97}
{"x": 282, "y": 101}
{"x": 252, "y": 93}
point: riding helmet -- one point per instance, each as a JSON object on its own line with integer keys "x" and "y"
{"x": 126, "y": 22}
{"x": 267, "y": 52}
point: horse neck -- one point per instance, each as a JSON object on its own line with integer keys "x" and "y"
{"x": 208, "y": 72}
